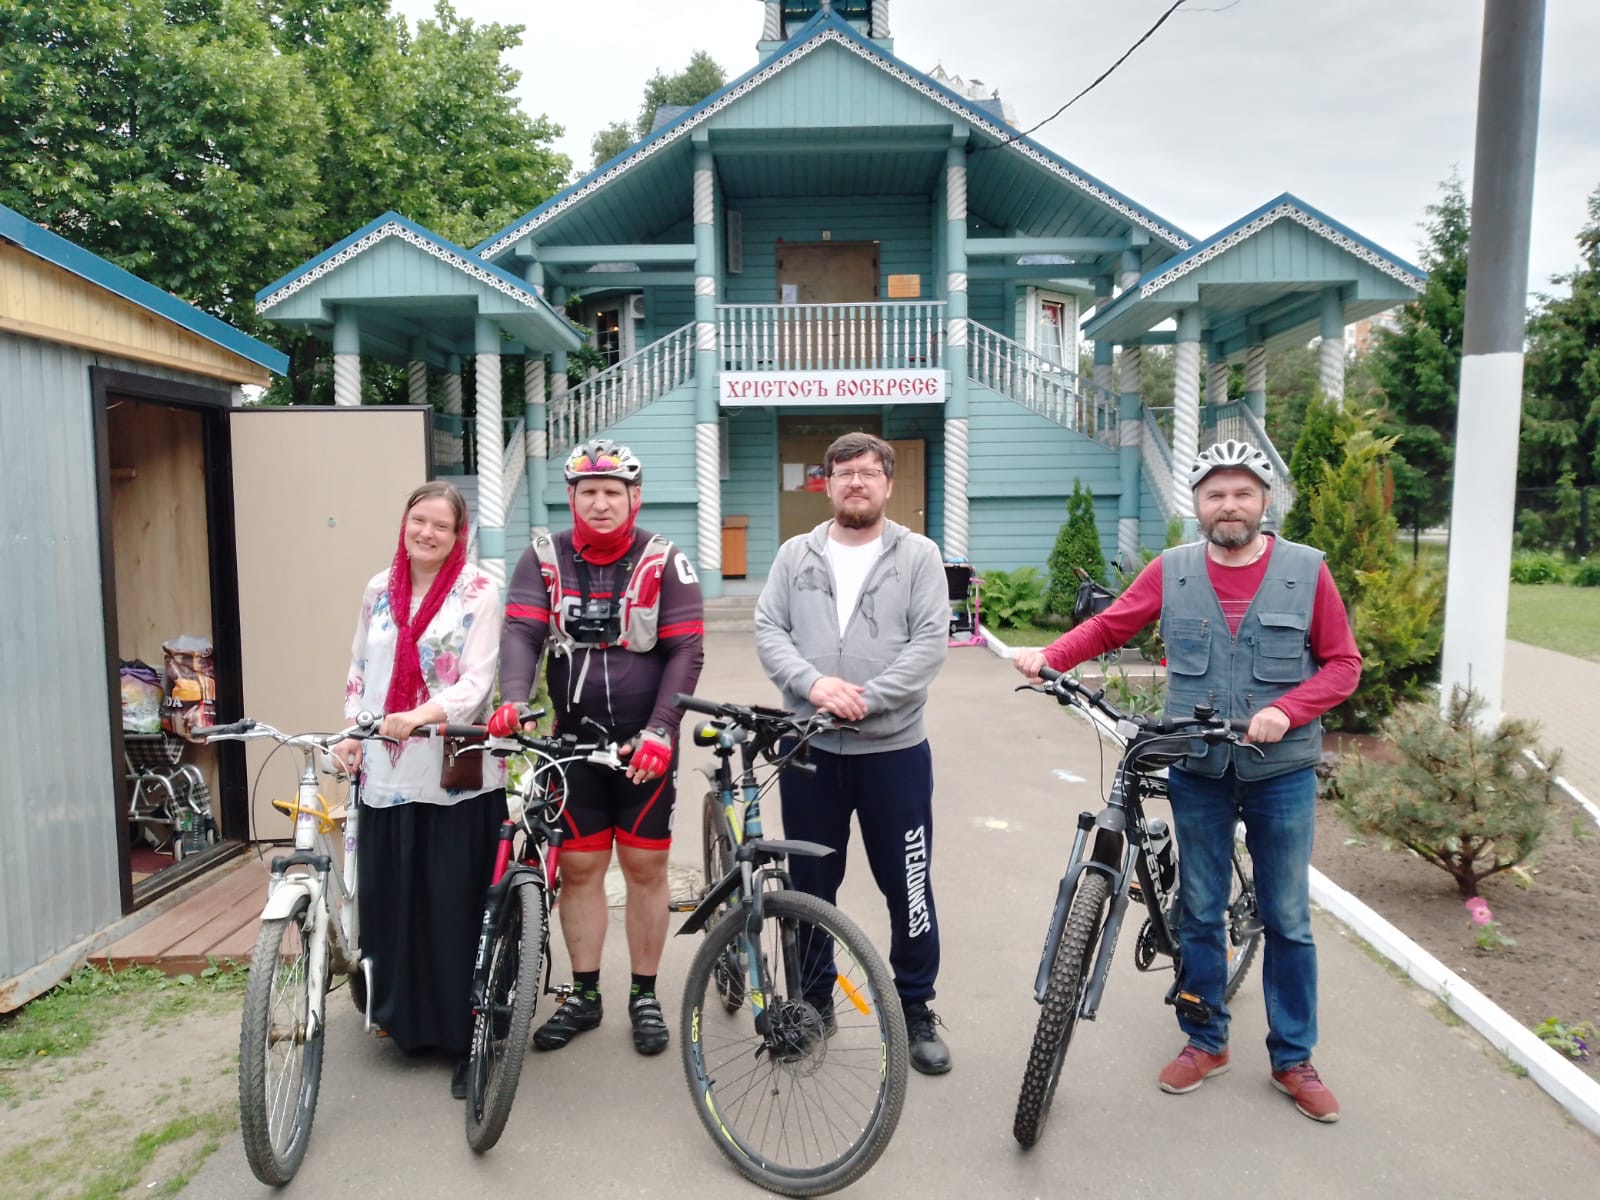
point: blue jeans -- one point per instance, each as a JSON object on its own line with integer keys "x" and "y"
{"x": 1278, "y": 819}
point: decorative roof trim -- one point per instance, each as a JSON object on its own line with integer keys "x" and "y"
{"x": 833, "y": 32}
{"x": 1367, "y": 254}
{"x": 489, "y": 276}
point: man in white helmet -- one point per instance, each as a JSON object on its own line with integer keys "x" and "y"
{"x": 1254, "y": 626}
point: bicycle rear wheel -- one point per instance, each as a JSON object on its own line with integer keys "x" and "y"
{"x": 280, "y": 1054}
{"x": 1058, "y": 1016}
{"x": 500, "y": 1026}
{"x": 716, "y": 849}
{"x": 803, "y": 1094}
{"x": 1244, "y": 918}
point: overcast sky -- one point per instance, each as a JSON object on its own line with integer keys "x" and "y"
{"x": 1359, "y": 107}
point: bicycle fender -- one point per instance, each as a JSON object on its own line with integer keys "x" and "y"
{"x": 709, "y": 908}
{"x": 778, "y": 849}
{"x": 284, "y": 895}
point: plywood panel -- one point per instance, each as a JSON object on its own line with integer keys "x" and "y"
{"x": 39, "y": 299}
{"x": 318, "y": 494}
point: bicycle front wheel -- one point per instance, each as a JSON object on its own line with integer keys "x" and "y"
{"x": 280, "y": 1054}
{"x": 801, "y": 1092}
{"x": 500, "y": 1026}
{"x": 716, "y": 847}
{"x": 1063, "y": 998}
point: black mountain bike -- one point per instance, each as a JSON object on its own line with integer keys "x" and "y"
{"x": 1120, "y": 855}
{"x": 794, "y": 1041}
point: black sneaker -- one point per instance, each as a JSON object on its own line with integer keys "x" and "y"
{"x": 649, "y": 1027}
{"x": 578, "y": 1014}
{"x": 929, "y": 1054}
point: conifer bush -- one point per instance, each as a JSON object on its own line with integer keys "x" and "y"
{"x": 1077, "y": 545}
{"x": 1461, "y": 796}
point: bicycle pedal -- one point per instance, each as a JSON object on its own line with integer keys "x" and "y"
{"x": 1189, "y": 1005}
{"x": 685, "y": 904}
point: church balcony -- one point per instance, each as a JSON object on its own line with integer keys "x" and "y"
{"x": 892, "y": 335}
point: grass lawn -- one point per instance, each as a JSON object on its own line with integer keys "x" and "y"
{"x": 1556, "y": 616}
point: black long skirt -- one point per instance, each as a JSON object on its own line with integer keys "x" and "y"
{"x": 422, "y": 876}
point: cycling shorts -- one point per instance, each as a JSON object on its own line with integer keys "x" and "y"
{"x": 603, "y": 805}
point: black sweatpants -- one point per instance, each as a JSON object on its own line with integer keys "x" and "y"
{"x": 422, "y": 871}
{"x": 891, "y": 795}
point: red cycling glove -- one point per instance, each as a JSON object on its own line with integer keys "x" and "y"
{"x": 505, "y": 721}
{"x": 652, "y": 752}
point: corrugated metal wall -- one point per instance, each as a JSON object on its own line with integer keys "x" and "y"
{"x": 58, "y": 833}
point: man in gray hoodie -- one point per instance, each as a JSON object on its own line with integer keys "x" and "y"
{"x": 855, "y": 619}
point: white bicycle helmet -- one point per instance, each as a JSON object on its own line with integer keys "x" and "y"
{"x": 601, "y": 458}
{"x": 1231, "y": 456}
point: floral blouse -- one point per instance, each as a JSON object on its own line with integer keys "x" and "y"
{"x": 458, "y": 652}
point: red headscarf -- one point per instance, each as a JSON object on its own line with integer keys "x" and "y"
{"x": 602, "y": 547}
{"x": 407, "y": 687}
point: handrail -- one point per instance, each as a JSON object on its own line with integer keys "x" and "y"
{"x": 516, "y": 458}
{"x": 1155, "y": 454}
{"x": 623, "y": 388}
{"x": 862, "y": 336}
{"x": 1047, "y": 388}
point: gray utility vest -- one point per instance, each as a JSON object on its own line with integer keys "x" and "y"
{"x": 1240, "y": 674}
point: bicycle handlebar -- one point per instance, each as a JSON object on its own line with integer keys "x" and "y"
{"x": 246, "y": 729}
{"x": 759, "y": 719}
{"x": 1203, "y": 724}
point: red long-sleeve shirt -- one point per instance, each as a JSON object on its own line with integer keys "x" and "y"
{"x": 1333, "y": 644}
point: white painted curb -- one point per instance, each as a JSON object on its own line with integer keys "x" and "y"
{"x": 1568, "y": 1085}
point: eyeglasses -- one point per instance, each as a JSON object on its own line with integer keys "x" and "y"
{"x": 870, "y": 475}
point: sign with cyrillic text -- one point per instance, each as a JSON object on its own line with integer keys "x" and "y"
{"x": 779, "y": 388}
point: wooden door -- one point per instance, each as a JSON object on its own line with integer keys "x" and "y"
{"x": 909, "y": 502}
{"x": 825, "y": 273}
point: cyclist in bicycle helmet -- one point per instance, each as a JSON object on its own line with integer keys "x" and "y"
{"x": 1254, "y": 627}
{"x": 620, "y": 611}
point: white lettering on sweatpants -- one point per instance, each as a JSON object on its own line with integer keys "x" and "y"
{"x": 918, "y": 920}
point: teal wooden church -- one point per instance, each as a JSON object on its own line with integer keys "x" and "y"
{"x": 834, "y": 241}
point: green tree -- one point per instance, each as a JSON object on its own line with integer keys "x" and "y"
{"x": 699, "y": 78}
{"x": 1077, "y": 546}
{"x": 1324, "y": 429}
{"x": 1418, "y": 367}
{"x": 1561, "y": 405}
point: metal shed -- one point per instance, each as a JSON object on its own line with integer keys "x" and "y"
{"x": 115, "y": 472}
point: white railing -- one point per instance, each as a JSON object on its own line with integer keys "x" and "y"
{"x": 888, "y": 335}
{"x": 1155, "y": 453}
{"x": 1049, "y": 389}
{"x": 515, "y": 460}
{"x": 622, "y": 389}
{"x": 1235, "y": 421}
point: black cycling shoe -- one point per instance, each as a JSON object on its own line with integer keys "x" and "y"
{"x": 929, "y": 1054}
{"x": 578, "y": 1014}
{"x": 650, "y": 1034}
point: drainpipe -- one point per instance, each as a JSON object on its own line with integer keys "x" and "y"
{"x": 707, "y": 450}
{"x": 956, "y": 515}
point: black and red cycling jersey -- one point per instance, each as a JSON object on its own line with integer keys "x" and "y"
{"x": 624, "y": 690}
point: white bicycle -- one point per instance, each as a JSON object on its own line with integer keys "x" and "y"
{"x": 309, "y": 931}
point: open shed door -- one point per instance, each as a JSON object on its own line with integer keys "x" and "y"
{"x": 317, "y": 504}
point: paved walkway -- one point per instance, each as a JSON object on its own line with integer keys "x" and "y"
{"x": 1560, "y": 692}
{"x": 1429, "y": 1112}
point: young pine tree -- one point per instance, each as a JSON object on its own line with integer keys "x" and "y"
{"x": 1077, "y": 545}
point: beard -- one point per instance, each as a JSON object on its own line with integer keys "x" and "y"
{"x": 1230, "y": 539}
{"x": 858, "y": 512}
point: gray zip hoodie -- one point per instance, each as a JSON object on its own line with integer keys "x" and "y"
{"x": 894, "y": 643}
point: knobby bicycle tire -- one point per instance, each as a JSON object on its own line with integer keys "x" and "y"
{"x": 500, "y": 1028}
{"x": 808, "y": 1107}
{"x": 717, "y": 854}
{"x": 280, "y": 1056}
{"x": 1243, "y": 952}
{"x": 1058, "y": 1016}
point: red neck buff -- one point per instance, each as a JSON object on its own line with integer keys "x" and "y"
{"x": 407, "y": 687}
{"x": 602, "y": 547}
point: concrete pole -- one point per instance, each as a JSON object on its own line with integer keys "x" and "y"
{"x": 1216, "y": 378}
{"x": 416, "y": 375}
{"x": 346, "y": 358}
{"x": 1186, "y": 417}
{"x": 1488, "y": 417}
{"x": 1330, "y": 358}
{"x": 707, "y": 372}
{"x": 491, "y": 452}
{"x": 1130, "y": 424}
{"x": 452, "y": 408}
{"x": 880, "y": 19}
{"x": 772, "y": 22}
{"x": 1255, "y": 379}
{"x": 956, "y": 461}
{"x": 536, "y": 417}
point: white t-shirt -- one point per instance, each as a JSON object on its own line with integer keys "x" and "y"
{"x": 851, "y": 564}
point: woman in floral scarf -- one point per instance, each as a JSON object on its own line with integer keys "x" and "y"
{"x": 424, "y": 652}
